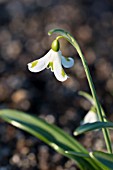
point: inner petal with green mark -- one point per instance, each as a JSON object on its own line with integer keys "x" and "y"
{"x": 50, "y": 65}
{"x": 63, "y": 73}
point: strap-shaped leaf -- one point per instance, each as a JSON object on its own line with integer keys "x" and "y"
{"x": 92, "y": 126}
{"x": 104, "y": 160}
{"x": 48, "y": 133}
{"x": 80, "y": 154}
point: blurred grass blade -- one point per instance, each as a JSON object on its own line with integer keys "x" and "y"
{"x": 92, "y": 126}
{"x": 104, "y": 160}
{"x": 48, "y": 133}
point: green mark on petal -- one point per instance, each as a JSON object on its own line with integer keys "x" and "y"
{"x": 67, "y": 58}
{"x": 50, "y": 65}
{"x": 34, "y": 63}
{"x": 63, "y": 73}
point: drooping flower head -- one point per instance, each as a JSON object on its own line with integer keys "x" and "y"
{"x": 53, "y": 60}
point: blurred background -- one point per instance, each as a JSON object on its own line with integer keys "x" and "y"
{"x": 24, "y": 25}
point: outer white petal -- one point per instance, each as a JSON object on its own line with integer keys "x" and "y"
{"x": 67, "y": 62}
{"x": 57, "y": 67}
{"x": 41, "y": 64}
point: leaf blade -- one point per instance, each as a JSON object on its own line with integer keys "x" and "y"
{"x": 105, "y": 160}
{"x": 92, "y": 126}
{"x": 48, "y": 133}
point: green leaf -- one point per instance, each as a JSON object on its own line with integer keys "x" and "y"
{"x": 80, "y": 154}
{"x": 48, "y": 133}
{"x": 102, "y": 159}
{"x": 92, "y": 126}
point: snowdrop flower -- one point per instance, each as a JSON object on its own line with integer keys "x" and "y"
{"x": 53, "y": 60}
{"x": 90, "y": 117}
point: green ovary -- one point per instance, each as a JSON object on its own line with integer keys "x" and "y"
{"x": 55, "y": 45}
{"x": 34, "y": 63}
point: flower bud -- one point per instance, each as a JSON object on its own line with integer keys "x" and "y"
{"x": 55, "y": 45}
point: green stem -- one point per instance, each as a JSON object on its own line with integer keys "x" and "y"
{"x": 59, "y": 37}
{"x": 101, "y": 115}
{"x": 107, "y": 136}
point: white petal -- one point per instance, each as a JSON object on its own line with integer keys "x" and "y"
{"x": 90, "y": 117}
{"x": 67, "y": 62}
{"x": 41, "y": 64}
{"x": 57, "y": 68}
